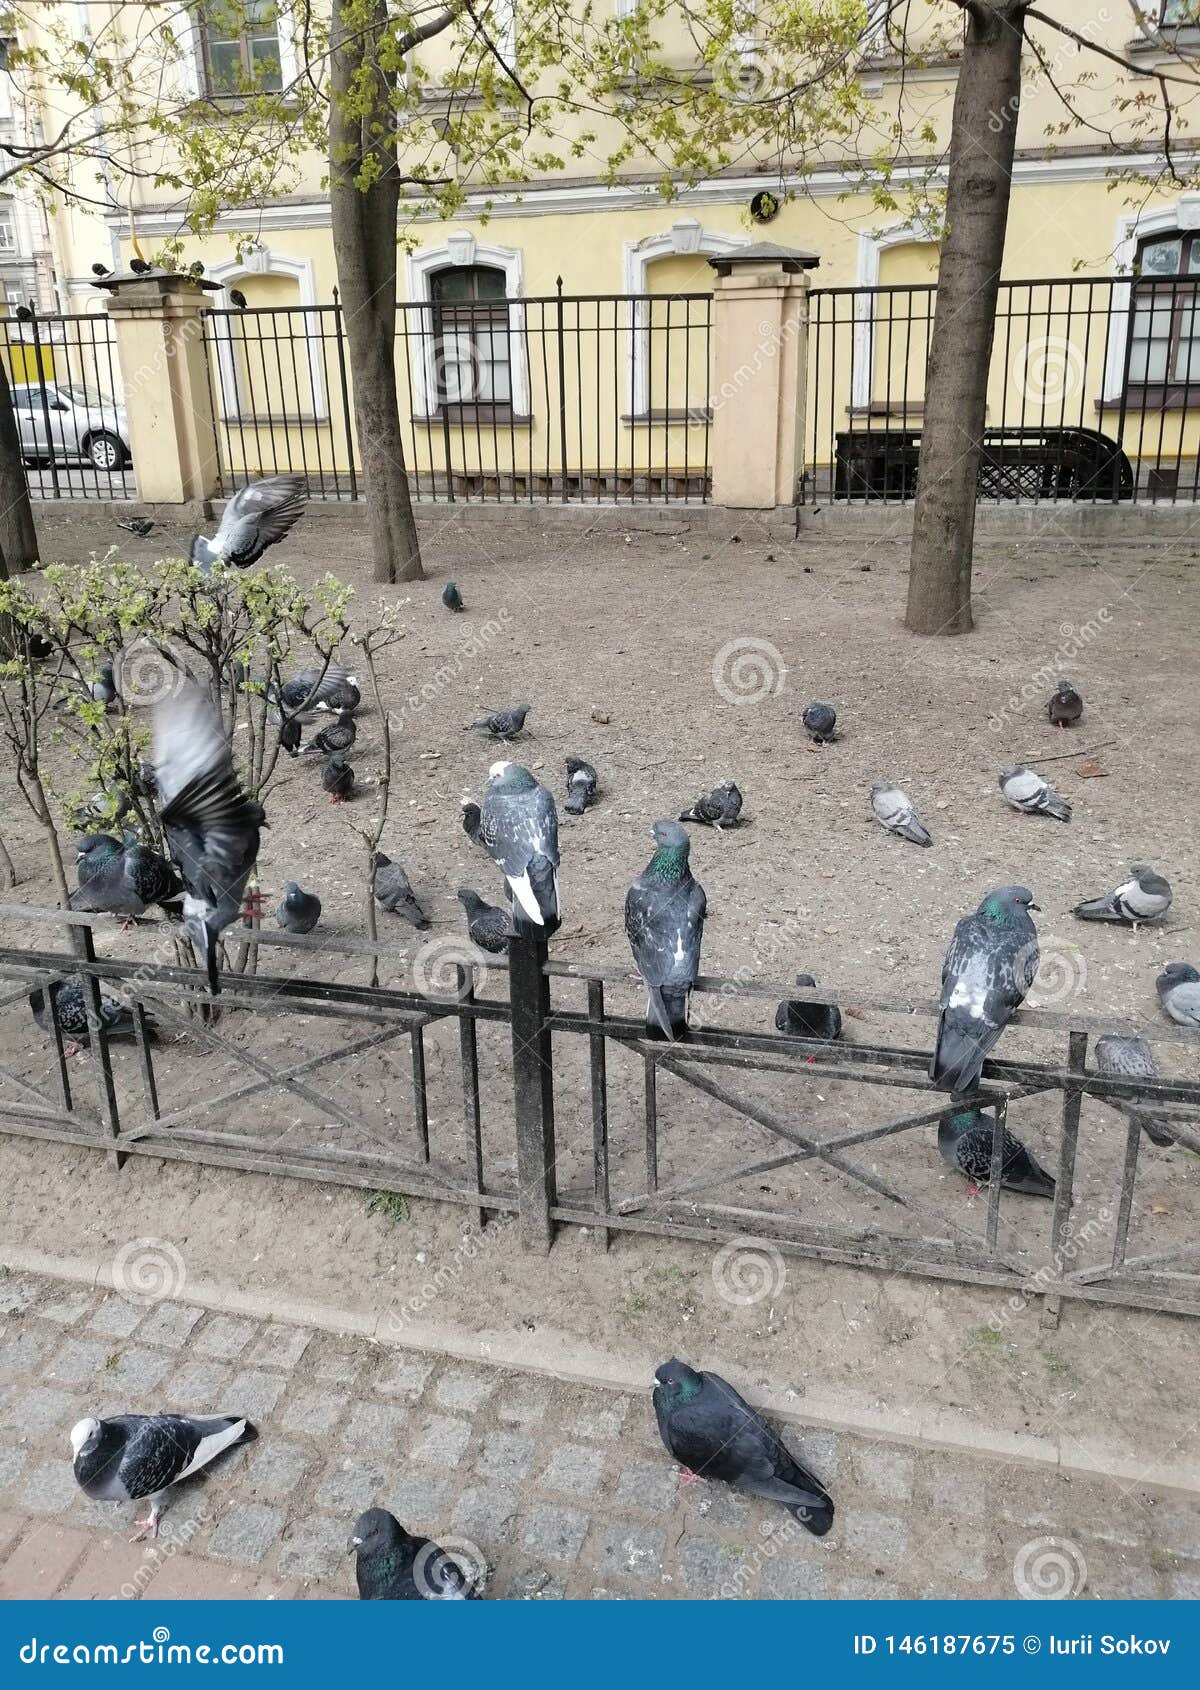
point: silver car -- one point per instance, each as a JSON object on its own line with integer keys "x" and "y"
{"x": 81, "y": 427}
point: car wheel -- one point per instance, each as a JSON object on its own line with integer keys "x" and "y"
{"x": 106, "y": 452}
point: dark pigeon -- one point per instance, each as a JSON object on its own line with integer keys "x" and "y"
{"x": 820, "y": 723}
{"x": 104, "y": 687}
{"x": 313, "y": 690}
{"x": 140, "y": 266}
{"x": 67, "y": 997}
{"x": 338, "y": 736}
{"x": 519, "y": 826}
{"x": 342, "y": 697}
{"x": 722, "y": 807}
{"x": 393, "y": 892}
{"x": 894, "y": 811}
{"x": 451, "y": 597}
{"x": 713, "y": 1432}
{"x": 1131, "y": 1058}
{"x": 289, "y": 735}
{"x": 809, "y": 1020}
{"x": 581, "y": 786}
{"x": 99, "y": 269}
{"x": 471, "y": 825}
{"x": 237, "y": 299}
{"x": 256, "y": 517}
{"x": 133, "y": 1456}
{"x": 1064, "y": 706}
{"x": 392, "y": 1566}
{"x": 490, "y": 927}
{"x": 991, "y": 964}
{"x": 337, "y": 777}
{"x": 664, "y": 923}
{"x": 142, "y": 526}
{"x": 1178, "y": 989}
{"x": 39, "y": 647}
{"x": 504, "y": 724}
{"x": 124, "y": 877}
{"x": 965, "y": 1142}
{"x": 1027, "y": 791}
{"x": 300, "y": 911}
{"x": 1144, "y": 897}
{"x": 145, "y": 782}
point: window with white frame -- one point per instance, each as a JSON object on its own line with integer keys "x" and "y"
{"x": 8, "y": 229}
{"x": 240, "y": 41}
{"x": 472, "y": 361}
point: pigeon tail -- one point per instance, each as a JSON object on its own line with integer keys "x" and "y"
{"x": 667, "y": 1011}
{"x": 958, "y": 1054}
{"x": 1057, "y": 807}
{"x": 535, "y": 898}
{"x": 1032, "y": 1179}
{"x": 1097, "y": 909}
{"x": 914, "y": 831}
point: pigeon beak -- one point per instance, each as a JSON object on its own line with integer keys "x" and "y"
{"x": 1034, "y": 906}
{"x": 353, "y": 1544}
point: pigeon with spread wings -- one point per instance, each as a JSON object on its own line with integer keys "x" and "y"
{"x": 255, "y": 518}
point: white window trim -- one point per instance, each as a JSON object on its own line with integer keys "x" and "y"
{"x": 685, "y": 236}
{"x": 1131, "y": 230}
{"x": 872, "y": 243}
{"x": 193, "y": 72}
{"x": 459, "y": 249}
{"x": 267, "y": 263}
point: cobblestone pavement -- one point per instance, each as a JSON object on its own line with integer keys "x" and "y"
{"x": 565, "y": 1489}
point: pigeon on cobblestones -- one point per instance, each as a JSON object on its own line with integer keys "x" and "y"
{"x": 664, "y": 923}
{"x": 809, "y": 1020}
{"x": 1179, "y": 993}
{"x": 965, "y": 1142}
{"x": 392, "y": 1566}
{"x": 300, "y": 911}
{"x": 490, "y": 927}
{"x": 519, "y": 825}
{"x": 133, "y": 1456}
{"x": 1144, "y": 897}
{"x": 719, "y": 808}
{"x": 1027, "y": 791}
{"x": 991, "y": 964}
{"x": 1131, "y": 1058}
{"x": 894, "y": 811}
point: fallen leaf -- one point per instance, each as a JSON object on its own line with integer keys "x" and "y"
{"x": 1159, "y": 1209}
{"x": 1091, "y": 771}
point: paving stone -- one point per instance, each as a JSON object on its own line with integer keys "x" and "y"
{"x": 16, "y": 1295}
{"x": 420, "y": 1501}
{"x": 1123, "y": 1583}
{"x": 138, "y": 1372}
{"x": 954, "y": 1485}
{"x": 602, "y": 1420}
{"x": 574, "y": 1468}
{"x": 45, "y": 1559}
{"x": 442, "y": 1441}
{"x": 253, "y": 1394}
{"x": 22, "y": 1351}
{"x": 1185, "y": 1586}
{"x": 715, "y": 1504}
{"x": 554, "y": 1532}
{"x": 246, "y": 1532}
{"x": 403, "y": 1374}
{"x": 169, "y": 1325}
{"x": 1178, "y": 1529}
{"x": 816, "y": 1447}
{"x": 534, "y": 1584}
{"x": 224, "y": 1337}
{"x": 632, "y": 1550}
{"x": 116, "y": 1317}
{"x": 375, "y": 1427}
{"x": 199, "y": 1385}
{"x": 114, "y": 1569}
{"x": 80, "y": 1361}
{"x": 276, "y": 1467}
{"x": 40, "y": 1410}
{"x": 190, "y": 1578}
{"x": 484, "y": 1515}
{"x": 351, "y": 1487}
{"x": 881, "y": 1536}
{"x": 315, "y": 1548}
{"x": 64, "y": 1308}
{"x": 312, "y": 1411}
{"x": 789, "y": 1578}
{"x": 280, "y": 1346}
{"x": 466, "y": 1389}
{"x": 864, "y": 1590}
{"x": 885, "y": 1468}
{"x": 521, "y": 1408}
{"x": 714, "y": 1569}
{"x": 49, "y": 1489}
{"x": 11, "y": 1463}
{"x": 507, "y": 1456}
{"x": 649, "y": 1487}
{"x": 335, "y": 1360}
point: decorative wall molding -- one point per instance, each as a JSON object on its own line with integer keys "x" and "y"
{"x": 259, "y": 260}
{"x": 460, "y": 248}
{"x": 685, "y": 236}
{"x": 872, "y": 244}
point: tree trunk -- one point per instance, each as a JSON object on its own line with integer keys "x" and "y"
{"x": 362, "y": 146}
{"x": 987, "y": 104}
{"x": 18, "y": 537}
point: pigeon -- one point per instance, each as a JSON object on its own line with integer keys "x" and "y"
{"x": 39, "y": 647}
{"x": 392, "y": 1566}
{"x": 255, "y": 518}
{"x": 451, "y": 597}
{"x": 1027, "y": 791}
{"x": 24, "y": 314}
{"x": 504, "y": 724}
{"x": 965, "y": 1142}
{"x": 341, "y": 697}
{"x": 809, "y": 1020}
{"x": 140, "y": 267}
{"x": 714, "y": 1433}
{"x": 393, "y": 892}
{"x": 1178, "y": 989}
{"x": 300, "y": 911}
{"x": 490, "y": 927}
{"x": 289, "y": 735}
{"x": 337, "y": 777}
{"x": 99, "y": 269}
{"x": 1131, "y": 1057}
{"x": 894, "y": 811}
{"x": 581, "y": 786}
{"x": 991, "y": 964}
{"x": 142, "y": 526}
{"x": 664, "y": 923}
{"x": 314, "y": 690}
{"x": 1144, "y": 897}
{"x": 133, "y": 1456}
{"x": 820, "y": 721}
{"x": 1064, "y": 706}
{"x": 518, "y": 824}
{"x": 124, "y": 878}
{"x": 195, "y": 268}
{"x": 145, "y": 783}
{"x": 67, "y": 998}
{"x": 237, "y": 299}
{"x": 471, "y": 823}
{"x": 104, "y": 688}
{"x": 211, "y": 826}
{"x": 719, "y": 808}
{"x": 102, "y": 807}
{"x": 338, "y": 736}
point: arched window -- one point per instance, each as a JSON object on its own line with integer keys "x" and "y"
{"x": 472, "y": 352}
{"x": 1164, "y": 330}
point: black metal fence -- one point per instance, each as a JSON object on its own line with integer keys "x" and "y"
{"x": 69, "y": 403}
{"x": 571, "y": 397}
{"x": 572, "y": 1116}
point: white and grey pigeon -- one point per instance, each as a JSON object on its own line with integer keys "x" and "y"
{"x": 316, "y": 692}
{"x": 664, "y": 923}
{"x": 1178, "y": 989}
{"x": 300, "y": 911}
{"x": 1144, "y": 897}
{"x": 133, "y": 1456}
{"x": 211, "y": 826}
{"x": 991, "y": 964}
{"x": 1027, "y": 791}
{"x": 894, "y": 811}
{"x": 255, "y": 518}
{"x": 720, "y": 808}
{"x": 1130, "y": 1057}
{"x": 518, "y": 824}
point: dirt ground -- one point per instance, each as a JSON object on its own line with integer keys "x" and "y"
{"x": 650, "y": 631}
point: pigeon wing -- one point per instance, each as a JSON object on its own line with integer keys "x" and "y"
{"x": 257, "y": 516}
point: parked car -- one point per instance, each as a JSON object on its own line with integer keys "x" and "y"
{"x": 82, "y": 427}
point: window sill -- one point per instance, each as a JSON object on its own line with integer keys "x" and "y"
{"x": 1153, "y": 400}
{"x": 472, "y": 418}
{"x": 255, "y": 419}
{"x": 1172, "y": 36}
{"x": 668, "y": 419}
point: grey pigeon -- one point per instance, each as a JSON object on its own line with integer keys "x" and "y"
{"x": 894, "y": 811}
{"x": 256, "y": 517}
{"x": 314, "y": 690}
{"x": 451, "y": 597}
{"x": 124, "y": 878}
{"x": 471, "y": 822}
{"x": 991, "y": 964}
{"x": 337, "y": 777}
{"x": 133, "y": 1456}
{"x": 394, "y": 892}
{"x": 713, "y": 1432}
{"x": 490, "y": 928}
{"x": 1144, "y": 897}
{"x": 820, "y": 722}
{"x": 104, "y": 688}
{"x": 1130, "y": 1057}
{"x": 581, "y": 786}
{"x": 342, "y": 696}
{"x": 103, "y": 809}
{"x": 809, "y": 1020}
{"x": 71, "y": 1014}
{"x": 1064, "y": 706}
{"x": 504, "y": 724}
{"x": 519, "y": 826}
{"x": 664, "y": 923}
{"x": 722, "y": 807}
{"x": 1027, "y": 791}
{"x": 965, "y": 1142}
{"x": 142, "y": 526}
{"x": 338, "y": 736}
{"x": 1178, "y": 989}
{"x": 300, "y": 911}
{"x": 393, "y": 1566}
{"x": 211, "y": 826}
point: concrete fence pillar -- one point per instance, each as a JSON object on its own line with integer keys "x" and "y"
{"x": 760, "y": 365}
{"x": 168, "y": 399}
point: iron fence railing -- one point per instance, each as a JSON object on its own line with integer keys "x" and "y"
{"x": 68, "y": 399}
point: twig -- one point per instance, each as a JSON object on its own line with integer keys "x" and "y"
{"x": 1063, "y": 756}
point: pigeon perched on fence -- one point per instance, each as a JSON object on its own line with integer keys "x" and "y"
{"x": 664, "y": 923}
{"x": 211, "y": 826}
{"x": 1144, "y": 897}
{"x": 394, "y": 892}
{"x": 1130, "y": 1057}
{"x": 338, "y": 736}
{"x": 471, "y": 822}
{"x": 820, "y": 723}
{"x": 1064, "y": 706}
{"x": 124, "y": 878}
{"x": 991, "y": 964}
{"x": 519, "y": 826}
{"x": 722, "y": 807}
{"x": 1178, "y": 989}
{"x": 809, "y": 1020}
{"x": 965, "y": 1142}
{"x": 1027, "y": 791}
{"x": 503, "y": 724}
{"x": 337, "y": 777}
{"x": 133, "y": 1456}
{"x": 894, "y": 811}
{"x": 490, "y": 927}
{"x": 255, "y": 518}
{"x": 451, "y": 597}
{"x": 237, "y": 299}
{"x": 714, "y": 1433}
{"x": 392, "y": 1566}
{"x": 140, "y": 266}
{"x": 581, "y": 786}
{"x": 67, "y": 998}
{"x": 300, "y": 911}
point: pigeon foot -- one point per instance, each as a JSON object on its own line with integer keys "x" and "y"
{"x": 252, "y": 908}
{"x": 146, "y": 1528}
{"x": 127, "y": 921}
{"x": 686, "y": 1477}
{"x": 71, "y": 1048}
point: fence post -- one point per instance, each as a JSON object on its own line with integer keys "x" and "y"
{"x": 760, "y": 364}
{"x": 533, "y": 1089}
{"x": 164, "y": 375}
